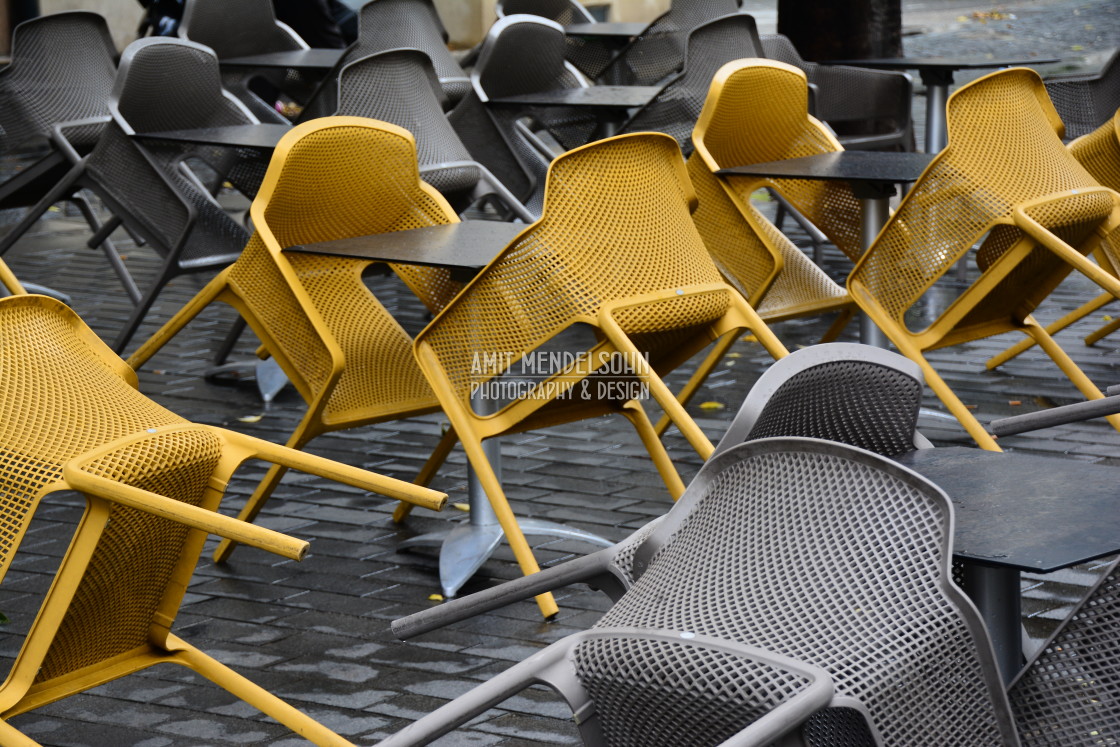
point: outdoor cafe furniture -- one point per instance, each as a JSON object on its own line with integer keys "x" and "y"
{"x": 152, "y": 484}
{"x": 151, "y": 191}
{"x": 869, "y": 109}
{"x": 830, "y": 555}
{"x": 1006, "y": 181}
{"x": 61, "y": 71}
{"x": 1086, "y": 101}
{"x": 1099, "y": 153}
{"x": 591, "y": 45}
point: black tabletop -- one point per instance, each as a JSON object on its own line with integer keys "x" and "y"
{"x": 1025, "y": 512}
{"x": 943, "y": 63}
{"x": 296, "y": 59}
{"x": 262, "y": 136}
{"x": 464, "y": 247}
{"x": 614, "y": 29}
{"x": 878, "y": 170}
{"x": 616, "y": 97}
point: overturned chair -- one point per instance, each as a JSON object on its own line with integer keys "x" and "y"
{"x": 73, "y": 419}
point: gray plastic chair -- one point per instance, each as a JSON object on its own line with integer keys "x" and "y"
{"x": 590, "y": 55}
{"x": 400, "y": 86}
{"x": 1085, "y": 102}
{"x": 162, "y": 84}
{"x": 868, "y": 109}
{"x": 658, "y": 52}
{"x": 676, "y": 108}
{"x": 61, "y": 71}
{"x": 830, "y": 555}
{"x": 240, "y": 29}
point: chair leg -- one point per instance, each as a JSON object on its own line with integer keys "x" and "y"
{"x": 229, "y": 341}
{"x": 838, "y": 324}
{"x": 428, "y": 471}
{"x": 101, "y": 240}
{"x": 12, "y": 737}
{"x": 1074, "y": 316}
{"x": 57, "y": 193}
{"x": 142, "y": 307}
{"x": 703, "y": 371}
{"x": 651, "y": 439}
{"x": 212, "y": 292}
{"x": 1068, "y": 367}
{"x": 1103, "y": 332}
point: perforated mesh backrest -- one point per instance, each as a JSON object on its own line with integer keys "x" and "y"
{"x": 522, "y": 54}
{"x": 564, "y": 12}
{"x": 1067, "y": 694}
{"x": 1003, "y": 151}
{"x": 390, "y": 24}
{"x": 1099, "y": 153}
{"x": 61, "y": 69}
{"x": 63, "y": 393}
{"x": 836, "y": 557}
{"x": 399, "y": 87}
{"x": 235, "y": 29}
{"x": 1086, "y": 101}
{"x": 734, "y": 130}
{"x": 676, "y": 108}
{"x": 622, "y": 204}
{"x": 483, "y": 138}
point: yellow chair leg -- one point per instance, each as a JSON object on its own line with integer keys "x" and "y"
{"x": 1069, "y": 368}
{"x": 1103, "y": 332}
{"x": 12, "y": 737}
{"x": 703, "y": 371}
{"x": 15, "y": 288}
{"x": 1055, "y": 327}
{"x": 838, "y": 325}
{"x": 651, "y": 439}
{"x": 446, "y": 443}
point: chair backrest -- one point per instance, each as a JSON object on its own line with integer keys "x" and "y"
{"x": 859, "y": 395}
{"x": 487, "y": 142}
{"x": 400, "y": 87}
{"x": 149, "y": 186}
{"x": 1067, "y": 693}
{"x": 1087, "y": 101}
{"x": 659, "y": 51}
{"x": 237, "y": 29}
{"x": 836, "y": 557}
{"x": 734, "y": 130}
{"x": 622, "y": 203}
{"x": 523, "y": 54}
{"x": 1004, "y": 154}
{"x": 331, "y": 178}
{"x": 676, "y": 108}
{"x": 564, "y": 12}
{"x": 61, "y": 69}
{"x": 1099, "y": 152}
{"x": 391, "y": 24}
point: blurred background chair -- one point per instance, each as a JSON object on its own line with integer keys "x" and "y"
{"x": 868, "y": 109}
{"x": 348, "y": 358}
{"x": 73, "y": 419}
{"x": 769, "y": 547}
{"x": 622, "y": 203}
{"x": 1086, "y": 101}
{"x": 589, "y": 54}
{"x": 162, "y": 84}
{"x": 1032, "y": 211}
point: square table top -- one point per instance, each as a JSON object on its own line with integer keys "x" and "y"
{"x": 1022, "y": 511}
{"x": 942, "y": 63}
{"x": 611, "y": 97}
{"x": 626, "y": 29}
{"x": 296, "y": 59}
{"x": 843, "y": 165}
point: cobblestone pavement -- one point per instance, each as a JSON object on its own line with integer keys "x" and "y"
{"x": 316, "y": 633}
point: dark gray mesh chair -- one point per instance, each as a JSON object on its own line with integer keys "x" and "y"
{"x": 240, "y": 29}
{"x": 590, "y": 55}
{"x": 676, "y": 108}
{"x": 829, "y": 555}
{"x": 162, "y": 84}
{"x": 868, "y": 109}
{"x": 399, "y": 86}
{"x": 658, "y": 52}
{"x": 1085, "y": 102}
{"x": 61, "y": 71}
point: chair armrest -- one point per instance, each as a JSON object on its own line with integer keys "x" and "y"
{"x": 60, "y": 141}
{"x": 579, "y": 570}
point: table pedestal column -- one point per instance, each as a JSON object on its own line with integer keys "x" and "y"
{"x": 937, "y": 84}
{"x": 995, "y": 591}
{"x": 875, "y": 209}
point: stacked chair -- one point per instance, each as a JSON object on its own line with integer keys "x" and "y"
{"x": 1085, "y": 102}
{"x": 162, "y": 84}
{"x": 1007, "y": 184}
{"x": 152, "y": 483}
{"x": 869, "y": 109}
{"x": 588, "y": 54}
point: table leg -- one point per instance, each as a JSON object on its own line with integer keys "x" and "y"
{"x": 995, "y": 591}
{"x": 937, "y": 95}
{"x": 873, "y": 215}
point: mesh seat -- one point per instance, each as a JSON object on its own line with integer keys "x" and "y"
{"x": 241, "y": 29}
{"x": 675, "y": 109}
{"x": 1085, "y": 102}
{"x": 1007, "y": 184}
{"x": 868, "y": 109}
{"x": 399, "y": 87}
{"x": 348, "y": 358}
{"x": 621, "y": 203}
{"x": 151, "y": 189}
{"x": 658, "y": 52}
{"x": 740, "y": 132}
{"x": 821, "y": 552}
{"x": 73, "y": 419}
{"x": 61, "y": 71}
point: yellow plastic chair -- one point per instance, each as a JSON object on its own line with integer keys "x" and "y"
{"x": 616, "y": 256}
{"x": 757, "y": 111}
{"x": 331, "y": 178}
{"x": 1005, "y": 180}
{"x": 73, "y": 419}
{"x": 1099, "y": 153}
{"x": 9, "y": 280}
